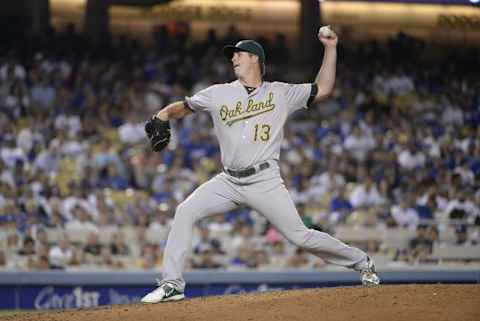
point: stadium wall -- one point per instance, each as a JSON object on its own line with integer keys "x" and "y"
{"x": 438, "y": 21}
{"x": 66, "y": 290}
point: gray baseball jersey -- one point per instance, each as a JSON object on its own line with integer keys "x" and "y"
{"x": 249, "y": 128}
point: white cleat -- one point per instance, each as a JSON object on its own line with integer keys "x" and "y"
{"x": 369, "y": 275}
{"x": 164, "y": 293}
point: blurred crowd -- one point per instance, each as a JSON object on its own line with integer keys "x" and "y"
{"x": 397, "y": 146}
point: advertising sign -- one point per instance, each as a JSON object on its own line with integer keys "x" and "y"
{"x": 74, "y": 297}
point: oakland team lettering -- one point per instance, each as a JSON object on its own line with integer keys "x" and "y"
{"x": 239, "y": 112}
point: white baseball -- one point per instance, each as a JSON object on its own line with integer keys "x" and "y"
{"x": 326, "y": 32}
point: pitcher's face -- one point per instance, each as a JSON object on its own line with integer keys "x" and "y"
{"x": 243, "y": 63}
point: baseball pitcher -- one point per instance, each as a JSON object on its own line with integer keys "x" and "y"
{"x": 248, "y": 117}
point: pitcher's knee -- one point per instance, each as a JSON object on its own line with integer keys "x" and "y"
{"x": 301, "y": 238}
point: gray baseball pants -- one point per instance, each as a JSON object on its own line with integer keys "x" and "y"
{"x": 264, "y": 192}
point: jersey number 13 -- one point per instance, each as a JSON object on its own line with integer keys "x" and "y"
{"x": 262, "y": 132}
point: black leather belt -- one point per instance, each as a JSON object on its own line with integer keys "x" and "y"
{"x": 247, "y": 171}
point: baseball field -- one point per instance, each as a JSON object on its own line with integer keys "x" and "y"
{"x": 437, "y": 302}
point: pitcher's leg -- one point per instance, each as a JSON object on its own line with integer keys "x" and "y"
{"x": 214, "y": 196}
{"x": 277, "y": 206}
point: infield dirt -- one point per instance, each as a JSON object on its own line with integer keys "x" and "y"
{"x": 389, "y": 302}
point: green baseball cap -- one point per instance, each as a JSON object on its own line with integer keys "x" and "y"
{"x": 250, "y": 46}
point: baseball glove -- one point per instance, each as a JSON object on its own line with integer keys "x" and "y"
{"x": 158, "y": 132}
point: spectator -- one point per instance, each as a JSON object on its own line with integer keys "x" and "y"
{"x": 466, "y": 174}
{"x": 359, "y": 144}
{"x": 207, "y": 243}
{"x": 28, "y": 246}
{"x": 411, "y": 158}
{"x": 219, "y": 225}
{"x": 340, "y": 206}
{"x": 399, "y": 83}
{"x": 81, "y": 221}
{"x": 106, "y": 259}
{"x": 118, "y": 245}
{"x": 42, "y": 263}
{"x": 404, "y": 214}
{"x": 93, "y": 245}
{"x": 329, "y": 180}
{"x": 3, "y": 259}
{"x": 262, "y": 260}
{"x": 278, "y": 254}
{"x": 243, "y": 234}
{"x": 426, "y": 211}
{"x": 132, "y": 131}
{"x": 42, "y": 93}
{"x": 13, "y": 243}
{"x": 111, "y": 178}
{"x": 61, "y": 255}
{"x": 42, "y": 252}
{"x": 244, "y": 258}
{"x": 11, "y": 154}
{"x": 206, "y": 260}
{"x": 422, "y": 245}
{"x": 299, "y": 259}
{"x": 149, "y": 257}
{"x": 462, "y": 208}
{"x": 461, "y": 234}
{"x": 160, "y": 224}
{"x": 366, "y": 194}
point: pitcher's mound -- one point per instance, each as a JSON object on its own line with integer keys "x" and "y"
{"x": 392, "y": 302}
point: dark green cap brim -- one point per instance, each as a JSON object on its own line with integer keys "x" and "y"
{"x": 230, "y": 49}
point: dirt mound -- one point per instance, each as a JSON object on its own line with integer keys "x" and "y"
{"x": 394, "y": 302}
